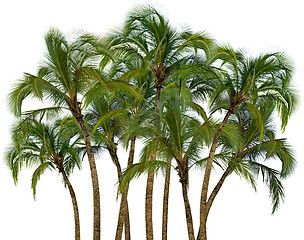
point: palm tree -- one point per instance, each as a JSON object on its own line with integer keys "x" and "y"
{"x": 111, "y": 113}
{"x": 182, "y": 138}
{"x": 106, "y": 115}
{"x": 178, "y": 137}
{"x": 245, "y": 157}
{"x": 47, "y": 147}
{"x": 63, "y": 79}
{"x": 66, "y": 80}
{"x": 133, "y": 117}
{"x": 148, "y": 39}
{"x": 246, "y": 80}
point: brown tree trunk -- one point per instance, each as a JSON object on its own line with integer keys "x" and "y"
{"x": 94, "y": 177}
{"x": 203, "y": 202}
{"x": 166, "y": 203}
{"x": 217, "y": 188}
{"x": 150, "y": 182}
{"x": 113, "y": 153}
{"x": 148, "y": 205}
{"x": 75, "y": 206}
{"x": 210, "y": 201}
{"x": 187, "y": 210}
{"x": 123, "y": 217}
{"x": 127, "y": 223}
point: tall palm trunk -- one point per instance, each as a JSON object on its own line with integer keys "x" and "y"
{"x": 166, "y": 203}
{"x": 218, "y": 187}
{"x": 94, "y": 177}
{"x": 127, "y": 223}
{"x": 150, "y": 181}
{"x": 187, "y": 210}
{"x": 211, "y": 199}
{"x": 113, "y": 153}
{"x": 148, "y": 204}
{"x": 123, "y": 217}
{"x": 75, "y": 205}
{"x": 203, "y": 202}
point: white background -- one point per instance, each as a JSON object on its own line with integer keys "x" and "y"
{"x": 238, "y": 212}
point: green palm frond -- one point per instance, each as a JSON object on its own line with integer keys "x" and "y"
{"x": 276, "y": 149}
{"x": 45, "y": 146}
{"x": 271, "y": 178}
{"x": 47, "y": 113}
{"x": 149, "y": 41}
{"x": 37, "y": 174}
{"x": 220, "y": 159}
{"x": 258, "y": 143}
{"x": 243, "y": 169}
{"x": 140, "y": 168}
{"x": 113, "y": 113}
{"x": 256, "y": 80}
{"x": 67, "y": 72}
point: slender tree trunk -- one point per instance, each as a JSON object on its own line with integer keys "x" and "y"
{"x": 187, "y": 210}
{"x": 217, "y": 188}
{"x": 150, "y": 181}
{"x": 94, "y": 177}
{"x": 148, "y": 205}
{"x": 166, "y": 203}
{"x": 203, "y": 230}
{"x": 127, "y": 223}
{"x": 203, "y": 202}
{"x": 123, "y": 217}
{"x": 211, "y": 199}
{"x": 75, "y": 206}
{"x": 113, "y": 153}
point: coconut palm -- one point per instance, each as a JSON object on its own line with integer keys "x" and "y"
{"x": 148, "y": 39}
{"x": 178, "y": 137}
{"x": 111, "y": 113}
{"x": 265, "y": 79}
{"x": 246, "y": 157}
{"x": 181, "y": 136}
{"x": 65, "y": 80}
{"x": 106, "y": 115}
{"x": 135, "y": 113}
{"x": 46, "y": 147}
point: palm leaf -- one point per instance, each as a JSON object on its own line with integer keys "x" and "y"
{"x": 37, "y": 174}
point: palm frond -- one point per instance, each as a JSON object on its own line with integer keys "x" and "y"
{"x": 140, "y": 168}
{"x": 37, "y": 174}
{"x": 271, "y": 178}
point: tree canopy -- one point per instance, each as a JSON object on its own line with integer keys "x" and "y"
{"x": 188, "y": 101}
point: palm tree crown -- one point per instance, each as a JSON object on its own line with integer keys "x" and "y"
{"x": 246, "y": 157}
{"x": 43, "y": 145}
{"x": 257, "y": 80}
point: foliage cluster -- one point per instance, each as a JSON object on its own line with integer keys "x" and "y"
{"x": 192, "y": 102}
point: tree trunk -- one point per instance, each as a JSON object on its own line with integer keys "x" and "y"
{"x": 127, "y": 223}
{"x": 122, "y": 214}
{"x": 113, "y": 153}
{"x": 187, "y": 210}
{"x": 166, "y": 203}
{"x": 204, "y": 192}
{"x": 94, "y": 177}
{"x": 211, "y": 199}
{"x": 148, "y": 205}
{"x": 217, "y": 188}
{"x": 123, "y": 217}
{"x": 75, "y": 206}
{"x": 150, "y": 182}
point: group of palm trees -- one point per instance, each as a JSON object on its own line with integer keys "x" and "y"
{"x": 165, "y": 88}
